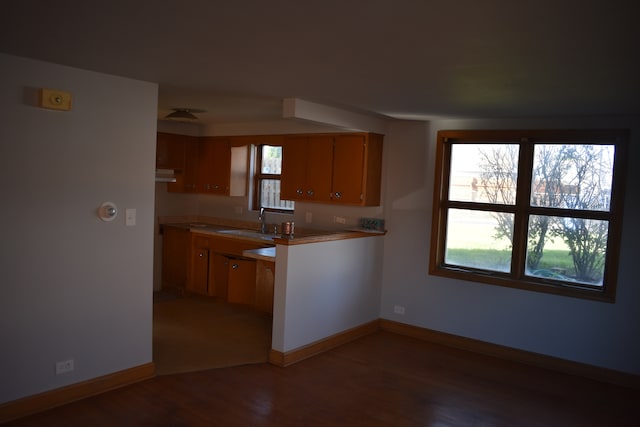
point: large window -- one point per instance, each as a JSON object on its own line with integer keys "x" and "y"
{"x": 267, "y": 179}
{"x": 539, "y": 210}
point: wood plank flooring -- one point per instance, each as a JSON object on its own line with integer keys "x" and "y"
{"x": 383, "y": 379}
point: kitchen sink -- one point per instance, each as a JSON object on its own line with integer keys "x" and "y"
{"x": 252, "y": 234}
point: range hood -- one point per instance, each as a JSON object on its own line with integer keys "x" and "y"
{"x": 165, "y": 175}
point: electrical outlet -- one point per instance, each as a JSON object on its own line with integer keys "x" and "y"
{"x": 64, "y": 367}
{"x": 339, "y": 220}
{"x": 398, "y": 309}
{"x": 308, "y": 217}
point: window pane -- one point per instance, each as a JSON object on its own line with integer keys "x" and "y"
{"x": 479, "y": 239}
{"x": 270, "y": 195}
{"x": 569, "y": 249}
{"x": 485, "y": 173}
{"x": 572, "y": 176}
{"x": 271, "y": 160}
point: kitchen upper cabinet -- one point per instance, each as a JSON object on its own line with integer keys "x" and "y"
{"x": 211, "y": 165}
{"x": 357, "y": 169}
{"x": 170, "y": 150}
{"x": 306, "y": 168}
{"x": 186, "y": 176}
{"x": 222, "y": 168}
{"x": 339, "y": 168}
{"x": 214, "y": 166}
{"x": 323, "y": 168}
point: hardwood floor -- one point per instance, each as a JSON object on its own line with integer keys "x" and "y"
{"x": 383, "y": 379}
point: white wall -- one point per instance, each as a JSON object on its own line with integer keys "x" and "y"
{"x": 596, "y": 333}
{"x": 322, "y": 289}
{"x": 73, "y": 287}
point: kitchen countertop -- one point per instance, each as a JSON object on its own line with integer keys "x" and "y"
{"x": 263, "y": 254}
{"x": 227, "y": 228}
{"x": 248, "y": 231}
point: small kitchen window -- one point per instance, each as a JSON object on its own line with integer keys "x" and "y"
{"x": 537, "y": 210}
{"x": 268, "y": 168}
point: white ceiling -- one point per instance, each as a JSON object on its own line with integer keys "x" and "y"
{"x": 419, "y": 59}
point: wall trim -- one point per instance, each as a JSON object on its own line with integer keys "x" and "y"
{"x": 462, "y": 343}
{"x": 296, "y": 355}
{"x": 61, "y": 396}
{"x": 507, "y": 353}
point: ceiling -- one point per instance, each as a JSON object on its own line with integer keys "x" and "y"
{"x": 414, "y": 59}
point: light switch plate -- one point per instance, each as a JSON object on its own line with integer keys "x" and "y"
{"x": 130, "y": 216}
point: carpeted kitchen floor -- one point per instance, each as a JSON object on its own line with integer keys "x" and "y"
{"x": 195, "y": 333}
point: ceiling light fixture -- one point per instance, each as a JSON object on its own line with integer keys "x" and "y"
{"x": 183, "y": 113}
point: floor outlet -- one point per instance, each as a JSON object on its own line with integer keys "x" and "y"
{"x": 398, "y": 309}
{"x": 64, "y": 367}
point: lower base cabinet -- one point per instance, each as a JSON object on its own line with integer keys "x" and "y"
{"x": 198, "y": 281}
{"x": 241, "y": 281}
{"x": 207, "y": 266}
{"x": 265, "y": 275}
{"x": 175, "y": 250}
{"x": 217, "y": 268}
{"x": 219, "y": 276}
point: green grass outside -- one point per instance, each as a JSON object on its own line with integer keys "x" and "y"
{"x": 558, "y": 260}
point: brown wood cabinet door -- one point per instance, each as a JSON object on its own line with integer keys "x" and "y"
{"x": 319, "y": 168}
{"x": 186, "y": 177}
{"x": 293, "y": 168}
{"x": 265, "y": 274}
{"x": 214, "y": 166}
{"x": 170, "y": 151}
{"x": 348, "y": 169}
{"x": 198, "y": 280}
{"x": 175, "y": 253}
{"x": 242, "y": 281}
{"x": 372, "y": 180}
{"x": 306, "y": 168}
{"x": 219, "y": 276}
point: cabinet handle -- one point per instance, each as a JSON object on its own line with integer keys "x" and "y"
{"x": 310, "y": 192}
{"x": 201, "y": 254}
{"x": 234, "y": 266}
{"x": 299, "y": 192}
{"x": 337, "y": 194}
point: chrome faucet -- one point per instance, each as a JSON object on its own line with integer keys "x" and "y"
{"x": 262, "y": 217}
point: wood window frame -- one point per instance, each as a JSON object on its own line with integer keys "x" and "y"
{"x": 258, "y": 176}
{"x": 522, "y": 209}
